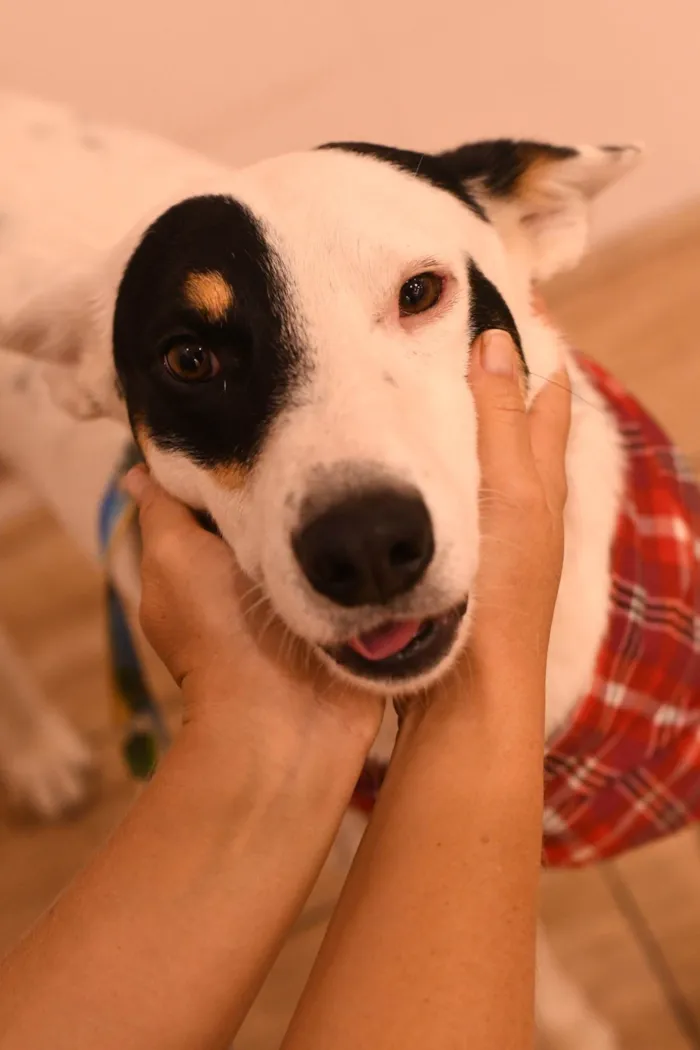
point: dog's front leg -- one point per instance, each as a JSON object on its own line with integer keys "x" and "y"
{"x": 43, "y": 762}
{"x": 564, "y": 1016}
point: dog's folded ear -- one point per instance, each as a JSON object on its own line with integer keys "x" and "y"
{"x": 50, "y": 326}
{"x": 539, "y": 194}
{"x": 68, "y": 326}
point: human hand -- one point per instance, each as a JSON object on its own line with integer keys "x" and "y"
{"x": 522, "y": 497}
{"x": 241, "y": 672}
{"x": 523, "y": 493}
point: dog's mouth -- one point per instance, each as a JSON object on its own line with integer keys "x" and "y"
{"x": 400, "y": 649}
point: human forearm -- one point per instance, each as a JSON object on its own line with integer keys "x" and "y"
{"x": 433, "y": 941}
{"x": 164, "y": 939}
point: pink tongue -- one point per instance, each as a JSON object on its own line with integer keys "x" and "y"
{"x": 385, "y": 641}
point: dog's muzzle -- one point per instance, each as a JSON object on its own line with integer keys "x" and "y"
{"x": 366, "y": 551}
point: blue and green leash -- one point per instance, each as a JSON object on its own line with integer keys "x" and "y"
{"x": 144, "y": 734}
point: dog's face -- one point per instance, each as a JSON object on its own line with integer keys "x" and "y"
{"x": 293, "y": 353}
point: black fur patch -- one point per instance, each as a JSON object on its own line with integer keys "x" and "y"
{"x": 258, "y": 343}
{"x": 500, "y": 163}
{"x": 423, "y": 165}
{"x": 488, "y": 309}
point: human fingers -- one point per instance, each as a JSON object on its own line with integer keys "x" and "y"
{"x": 505, "y": 451}
{"x": 550, "y": 421}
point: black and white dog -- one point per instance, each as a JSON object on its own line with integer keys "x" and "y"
{"x": 289, "y": 343}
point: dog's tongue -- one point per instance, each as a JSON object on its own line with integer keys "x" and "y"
{"x": 385, "y": 641}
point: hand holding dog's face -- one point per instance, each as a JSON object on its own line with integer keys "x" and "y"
{"x": 523, "y": 494}
{"x": 243, "y": 675}
{"x": 221, "y": 641}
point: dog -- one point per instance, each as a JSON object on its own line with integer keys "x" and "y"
{"x": 288, "y": 345}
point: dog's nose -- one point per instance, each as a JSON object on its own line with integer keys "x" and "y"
{"x": 368, "y": 549}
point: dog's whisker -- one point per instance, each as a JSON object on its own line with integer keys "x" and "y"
{"x": 312, "y": 662}
{"x": 574, "y": 393}
{"x": 251, "y": 589}
{"x": 257, "y": 604}
{"x": 289, "y": 640}
{"x": 272, "y": 616}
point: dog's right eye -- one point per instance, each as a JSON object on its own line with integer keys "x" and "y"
{"x": 420, "y": 293}
{"x": 191, "y": 363}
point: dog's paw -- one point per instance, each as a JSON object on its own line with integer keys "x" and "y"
{"x": 48, "y": 771}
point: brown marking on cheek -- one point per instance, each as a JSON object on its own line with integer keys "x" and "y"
{"x": 210, "y": 294}
{"x": 143, "y": 438}
{"x": 230, "y": 476}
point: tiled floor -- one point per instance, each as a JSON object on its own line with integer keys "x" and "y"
{"x": 630, "y": 932}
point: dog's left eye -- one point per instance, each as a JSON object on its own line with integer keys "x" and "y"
{"x": 420, "y": 293}
{"x": 191, "y": 363}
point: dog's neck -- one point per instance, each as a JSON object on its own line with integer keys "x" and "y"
{"x": 595, "y": 470}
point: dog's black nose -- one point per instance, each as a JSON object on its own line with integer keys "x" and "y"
{"x": 367, "y": 549}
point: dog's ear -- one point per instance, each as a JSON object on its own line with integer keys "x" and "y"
{"x": 53, "y": 325}
{"x": 68, "y": 326}
{"x": 539, "y": 194}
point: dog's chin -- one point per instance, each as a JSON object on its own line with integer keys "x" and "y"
{"x": 400, "y": 657}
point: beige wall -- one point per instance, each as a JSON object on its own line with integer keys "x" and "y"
{"x": 242, "y": 80}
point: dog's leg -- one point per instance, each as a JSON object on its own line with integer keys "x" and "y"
{"x": 43, "y": 762}
{"x": 564, "y": 1016}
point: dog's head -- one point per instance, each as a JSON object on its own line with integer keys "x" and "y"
{"x": 292, "y": 353}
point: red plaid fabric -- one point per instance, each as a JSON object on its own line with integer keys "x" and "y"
{"x": 626, "y": 768}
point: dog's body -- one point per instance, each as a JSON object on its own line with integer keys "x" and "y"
{"x": 298, "y": 277}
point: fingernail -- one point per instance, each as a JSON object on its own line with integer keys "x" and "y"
{"x": 497, "y": 354}
{"x": 135, "y": 482}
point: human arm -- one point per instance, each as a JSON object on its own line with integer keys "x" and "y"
{"x": 164, "y": 939}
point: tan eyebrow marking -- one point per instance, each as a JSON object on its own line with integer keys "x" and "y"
{"x": 209, "y": 293}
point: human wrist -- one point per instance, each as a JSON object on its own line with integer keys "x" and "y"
{"x": 500, "y": 699}
{"x": 223, "y": 695}
{"x": 273, "y": 740}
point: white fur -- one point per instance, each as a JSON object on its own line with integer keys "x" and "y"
{"x": 41, "y": 759}
{"x": 349, "y": 230}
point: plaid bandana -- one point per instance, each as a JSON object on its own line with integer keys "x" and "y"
{"x": 626, "y": 768}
